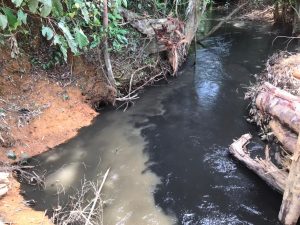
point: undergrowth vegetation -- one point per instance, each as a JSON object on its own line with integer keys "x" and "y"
{"x": 74, "y": 25}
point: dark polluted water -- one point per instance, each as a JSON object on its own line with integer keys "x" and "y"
{"x": 168, "y": 153}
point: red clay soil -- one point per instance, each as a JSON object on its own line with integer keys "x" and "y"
{"x": 65, "y": 112}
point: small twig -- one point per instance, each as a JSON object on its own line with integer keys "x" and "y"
{"x": 96, "y": 198}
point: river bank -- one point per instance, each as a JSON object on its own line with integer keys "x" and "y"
{"x": 70, "y": 109}
{"x": 37, "y": 114}
{"x": 193, "y": 120}
{"x": 44, "y": 102}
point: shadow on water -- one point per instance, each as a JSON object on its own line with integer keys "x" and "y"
{"x": 168, "y": 154}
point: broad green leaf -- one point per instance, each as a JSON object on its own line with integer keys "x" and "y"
{"x": 61, "y": 42}
{"x": 17, "y": 2}
{"x": 3, "y": 21}
{"x": 22, "y": 17}
{"x": 96, "y": 41}
{"x": 47, "y": 32}
{"x": 124, "y": 3}
{"x": 81, "y": 38}
{"x": 96, "y": 21}
{"x": 57, "y": 8}
{"x": 33, "y": 5}
{"x": 85, "y": 14}
{"x": 70, "y": 39}
{"x": 111, "y": 16}
{"x": 11, "y": 18}
{"x": 46, "y": 7}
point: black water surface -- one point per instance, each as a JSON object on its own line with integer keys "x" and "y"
{"x": 202, "y": 184}
{"x": 187, "y": 127}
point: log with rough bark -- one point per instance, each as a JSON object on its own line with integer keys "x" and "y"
{"x": 284, "y": 135}
{"x": 166, "y": 34}
{"x": 264, "y": 168}
{"x": 290, "y": 207}
{"x": 280, "y": 104}
{"x": 149, "y": 26}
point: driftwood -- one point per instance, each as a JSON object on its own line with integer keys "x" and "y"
{"x": 286, "y": 137}
{"x": 290, "y": 207}
{"x": 280, "y": 104}
{"x": 265, "y": 169}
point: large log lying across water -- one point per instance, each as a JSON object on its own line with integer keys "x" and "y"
{"x": 264, "y": 168}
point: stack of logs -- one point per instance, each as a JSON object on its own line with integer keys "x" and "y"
{"x": 284, "y": 109}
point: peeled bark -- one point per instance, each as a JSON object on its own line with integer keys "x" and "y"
{"x": 290, "y": 207}
{"x": 265, "y": 169}
{"x": 280, "y": 104}
{"x": 287, "y": 138}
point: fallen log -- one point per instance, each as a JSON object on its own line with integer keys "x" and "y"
{"x": 265, "y": 169}
{"x": 166, "y": 34}
{"x": 149, "y": 26}
{"x": 286, "y": 137}
{"x": 290, "y": 207}
{"x": 280, "y": 104}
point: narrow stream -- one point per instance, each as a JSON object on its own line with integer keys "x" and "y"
{"x": 168, "y": 153}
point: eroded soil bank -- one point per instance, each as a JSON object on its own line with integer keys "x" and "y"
{"x": 38, "y": 113}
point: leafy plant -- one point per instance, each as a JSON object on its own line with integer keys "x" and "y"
{"x": 73, "y": 25}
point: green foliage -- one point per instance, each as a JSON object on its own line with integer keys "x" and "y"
{"x": 67, "y": 24}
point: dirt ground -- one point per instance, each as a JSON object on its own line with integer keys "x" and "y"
{"x": 37, "y": 114}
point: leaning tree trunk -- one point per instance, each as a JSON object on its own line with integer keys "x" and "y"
{"x": 290, "y": 207}
{"x": 276, "y": 14}
{"x": 110, "y": 74}
{"x": 193, "y": 15}
{"x": 296, "y": 19}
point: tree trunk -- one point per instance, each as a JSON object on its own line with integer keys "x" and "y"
{"x": 193, "y": 17}
{"x": 296, "y": 20}
{"x": 280, "y": 104}
{"x": 287, "y": 138}
{"x": 276, "y": 12}
{"x": 265, "y": 169}
{"x": 110, "y": 74}
{"x": 290, "y": 207}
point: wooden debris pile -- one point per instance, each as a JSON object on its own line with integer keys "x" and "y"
{"x": 166, "y": 35}
{"x": 275, "y": 109}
